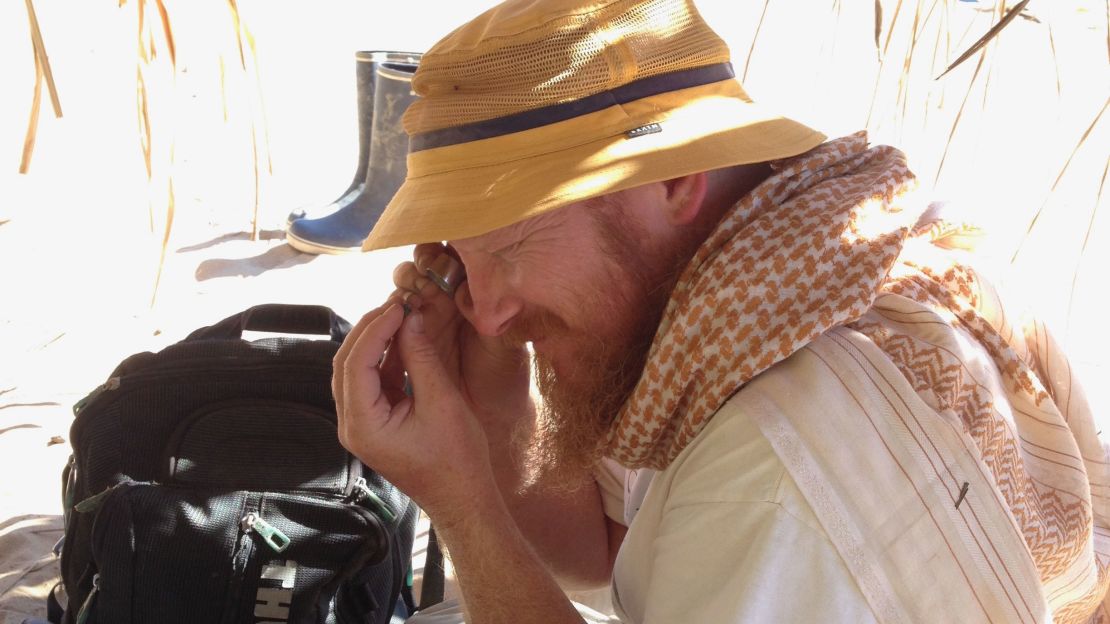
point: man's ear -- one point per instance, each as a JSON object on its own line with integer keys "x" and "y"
{"x": 685, "y": 197}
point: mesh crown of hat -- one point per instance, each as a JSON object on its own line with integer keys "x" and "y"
{"x": 571, "y": 55}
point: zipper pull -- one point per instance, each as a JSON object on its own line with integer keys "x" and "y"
{"x": 93, "y": 502}
{"x": 362, "y": 491}
{"x": 269, "y": 533}
{"x": 111, "y": 384}
{"x": 86, "y": 607}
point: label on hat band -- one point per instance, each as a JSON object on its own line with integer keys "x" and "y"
{"x": 651, "y": 128}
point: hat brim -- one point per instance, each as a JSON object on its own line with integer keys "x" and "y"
{"x": 466, "y": 190}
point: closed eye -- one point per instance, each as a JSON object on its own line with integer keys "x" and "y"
{"x": 509, "y": 250}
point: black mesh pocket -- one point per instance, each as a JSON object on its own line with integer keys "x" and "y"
{"x": 164, "y": 555}
{"x": 260, "y": 445}
{"x": 173, "y": 555}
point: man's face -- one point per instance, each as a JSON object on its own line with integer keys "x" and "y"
{"x": 586, "y": 285}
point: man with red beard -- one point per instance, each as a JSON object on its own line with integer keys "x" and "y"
{"x": 768, "y": 388}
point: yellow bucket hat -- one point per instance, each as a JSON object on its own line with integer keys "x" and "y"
{"x": 537, "y": 104}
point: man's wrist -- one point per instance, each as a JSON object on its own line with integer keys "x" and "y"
{"x": 490, "y": 554}
{"x": 459, "y": 505}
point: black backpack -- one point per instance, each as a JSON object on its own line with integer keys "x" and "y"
{"x": 207, "y": 485}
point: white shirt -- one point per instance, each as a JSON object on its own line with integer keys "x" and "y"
{"x": 724, "y": 535}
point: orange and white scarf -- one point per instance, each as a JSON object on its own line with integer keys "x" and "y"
{"x": 832, "y": 255}
{"x": 803, "y": 252}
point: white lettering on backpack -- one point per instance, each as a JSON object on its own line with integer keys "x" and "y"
{"x": 285, "y": 571}
{"x": 271, "y": 604}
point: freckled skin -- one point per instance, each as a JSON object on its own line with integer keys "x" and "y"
{"x": 559, "y": 263}
{"x": 546, "y": 265}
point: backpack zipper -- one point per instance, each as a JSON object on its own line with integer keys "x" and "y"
{"x": 269, "y": 533}
{"x": 241, "y": 558}
{"x": 362, "y": 491}
{"x": 111, "y": 384}
{"x": 86, "y": 607}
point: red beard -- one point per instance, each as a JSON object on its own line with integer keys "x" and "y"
{"x": 582, "y": 399}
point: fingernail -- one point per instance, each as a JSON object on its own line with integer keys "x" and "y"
{"x": 420, "y": 282}
{"x": 408, "y": 386}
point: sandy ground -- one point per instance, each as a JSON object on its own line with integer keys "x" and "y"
{"x": 79, "y": 247}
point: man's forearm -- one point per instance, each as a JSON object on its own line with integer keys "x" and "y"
{"x": 501, "y": 577}
{"x": 564, "y": 525}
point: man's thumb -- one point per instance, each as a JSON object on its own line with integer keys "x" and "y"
{"x": 420, "y": 358}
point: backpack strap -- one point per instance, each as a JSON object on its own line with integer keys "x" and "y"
{"x": 54, "y": 610}
{"x": 431, "y": 587}
{"x": 280, "y": 318}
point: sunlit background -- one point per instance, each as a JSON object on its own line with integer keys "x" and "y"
{"x": 253, "y": 114}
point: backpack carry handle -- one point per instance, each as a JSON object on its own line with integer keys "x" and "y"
{"x": 283, "y": 318}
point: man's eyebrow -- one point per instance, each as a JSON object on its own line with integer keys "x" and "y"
{"x": 461, "y": 244}
{"x": 495, "y": 240}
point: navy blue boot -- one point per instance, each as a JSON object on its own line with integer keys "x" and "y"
{"x": 344, "y": 230}
{"x": 366, "y": 70}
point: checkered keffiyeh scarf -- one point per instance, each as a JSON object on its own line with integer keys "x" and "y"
{"x": 805, "y": 251}
{"x": 813, "y": 248}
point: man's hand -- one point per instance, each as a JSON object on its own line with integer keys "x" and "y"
{"x": 567, "y": 529}
{"x": 430, "y": 445}
{"x": 492, "y": 375}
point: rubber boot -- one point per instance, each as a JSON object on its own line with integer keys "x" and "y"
{"x": 366, "y": 68}
{"x": 344, "y": 230}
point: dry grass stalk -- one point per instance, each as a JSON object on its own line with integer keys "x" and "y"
{"x": 254, "y": 154}
{"x": 827, "y": 50}
{"x": 993, "y": 47}
{"x": 878, "y": 28}
{"x": 261, "y": 100}
{"x": 167, "y": 32}
{"x": 941, "y": 31}
{"x": 258, "y": 109}
{"x": 170, "y": 206}
{"x": 890, "y": 32}
{"x": 995, "y": 44}
{"x": 33, "y": 124}
{"x": 755, "y": 37}
{"x": 959, "y": 115}
{"x": 915, "y": 31}
{"x": 1059, "y": 177}
{"x": 40, "y": 54}
{"x": 42, "y": 72}
{"x": 1056, "y": 58}
{"x": 143, "y": 110}
{"x": 882, "y": 55}
{"x": 947, "y": 32}
{"x": 1087, "y": 236}
{"x": 990, "y": 34}
{"x": 238, "y": 25}
{"x": 147, "y": 54}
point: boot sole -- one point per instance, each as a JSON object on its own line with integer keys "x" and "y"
{"x": 301, "y": 244}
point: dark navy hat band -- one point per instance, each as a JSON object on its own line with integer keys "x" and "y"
{"x": 527, "y": 120}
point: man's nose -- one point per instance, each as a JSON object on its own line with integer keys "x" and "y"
{"x": 487, "y": 307}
